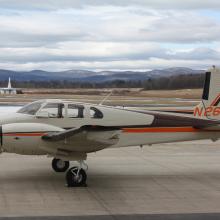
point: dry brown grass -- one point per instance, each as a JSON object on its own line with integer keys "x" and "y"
{"x": 136, "y": 92}
{"x": 182, "y": 93}
{"x": 119, "y": 96}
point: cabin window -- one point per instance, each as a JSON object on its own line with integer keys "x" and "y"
{"x": 74, "y": 111}
{"x": 31, "y": 109}
{"x": 95, "y": 113}
{"x": 55, "y": 110}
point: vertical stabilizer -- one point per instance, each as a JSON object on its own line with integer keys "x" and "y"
{"x": 210, "y": 104}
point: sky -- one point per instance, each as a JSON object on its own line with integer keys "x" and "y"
{"x": 96, "y": 35}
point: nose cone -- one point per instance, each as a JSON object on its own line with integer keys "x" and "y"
{"x": 6, "y": 118}
{"x": 14, "y": 118}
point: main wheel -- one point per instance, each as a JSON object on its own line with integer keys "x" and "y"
{"x": 76, "y": 177}
{"x": 60, "y": 165}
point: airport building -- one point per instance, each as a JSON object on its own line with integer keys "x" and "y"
{"x": 9, "y": 89}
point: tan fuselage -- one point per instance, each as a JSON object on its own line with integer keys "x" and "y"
{"x": 22, "y": 134}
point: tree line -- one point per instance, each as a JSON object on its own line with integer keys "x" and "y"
{"x": 172, "y": 82}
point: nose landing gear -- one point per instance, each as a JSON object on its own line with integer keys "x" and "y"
{"x": 76, "y": 176}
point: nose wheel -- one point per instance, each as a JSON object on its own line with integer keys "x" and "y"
{"x": 76, "y": 176}
{"x": 60, "y": 165}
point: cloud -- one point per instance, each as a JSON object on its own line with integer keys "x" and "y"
{"x": 102, "y": 52}
{"x": 183, "y": 27}
{"x": 132, "y": 34}
{"x": 199, "y": 54}
{"x": 140, "y": 65}
{"x": 66, "y": 4}
{"x": 106, "y": 56}
{"x": 113, "y": 24}
{"x": 83, "y": 51}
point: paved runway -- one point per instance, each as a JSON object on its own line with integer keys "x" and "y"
{"x": 162, "y": 179}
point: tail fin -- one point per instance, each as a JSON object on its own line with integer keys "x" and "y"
{"x": 210, "y": 104}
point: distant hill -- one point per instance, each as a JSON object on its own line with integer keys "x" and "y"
{"x": 91, "y": 76}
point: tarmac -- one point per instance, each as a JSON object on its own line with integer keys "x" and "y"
{"x": 178, "y": 181}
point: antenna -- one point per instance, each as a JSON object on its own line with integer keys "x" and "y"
{"x": 106, "y": 97}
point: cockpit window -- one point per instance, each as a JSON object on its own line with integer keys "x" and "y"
{"x": 55, "y": 110}
{"x": 95, "y": 113}
{"x": 31, "y": 109}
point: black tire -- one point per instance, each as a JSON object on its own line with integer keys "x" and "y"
{"x": 72, "y": 180}
{"x": 60, "y": 165}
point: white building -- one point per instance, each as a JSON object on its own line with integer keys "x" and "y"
{"x": 9, "y": 89}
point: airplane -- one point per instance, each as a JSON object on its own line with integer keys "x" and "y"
{"x": 68, "y": 131}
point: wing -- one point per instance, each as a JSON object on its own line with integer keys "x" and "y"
{"x": 74, "y": 144}
{"x": 87, "y": 138}
{"x": 58, "y": 136}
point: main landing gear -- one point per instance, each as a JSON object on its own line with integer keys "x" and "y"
{"x": 60, "y": 165}
{"x": 75, "y": 176}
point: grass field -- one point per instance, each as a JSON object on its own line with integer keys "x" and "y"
{"x": 119, "y": 96}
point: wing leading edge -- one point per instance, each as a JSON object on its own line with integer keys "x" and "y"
{"x": 86, "y": 135}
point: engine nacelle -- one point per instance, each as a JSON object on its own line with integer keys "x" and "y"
{"x": 25, "y": 138}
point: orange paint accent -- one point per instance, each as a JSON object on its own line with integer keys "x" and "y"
{"x": 24, "y": 134}
{"x": 198, "y": 111}
{"x": 215, "y": 100}
{"x": 160, "y": 129}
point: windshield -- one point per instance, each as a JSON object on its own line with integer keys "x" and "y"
{"x": 31, "y": 109}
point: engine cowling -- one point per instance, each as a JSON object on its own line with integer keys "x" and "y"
{"x": 25, "y": 138}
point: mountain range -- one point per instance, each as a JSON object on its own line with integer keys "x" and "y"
{"x": 92, "y": 76}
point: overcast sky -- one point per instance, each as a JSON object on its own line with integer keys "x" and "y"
{"x": 109, "y": 34}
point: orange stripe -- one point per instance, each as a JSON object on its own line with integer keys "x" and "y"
{"x": 159, "y": 129}
{"x": 24, "y": 134}
{"x": 215, "y": 100}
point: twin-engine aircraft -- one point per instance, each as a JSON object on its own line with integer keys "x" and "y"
{"x": 68, "y": 131}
